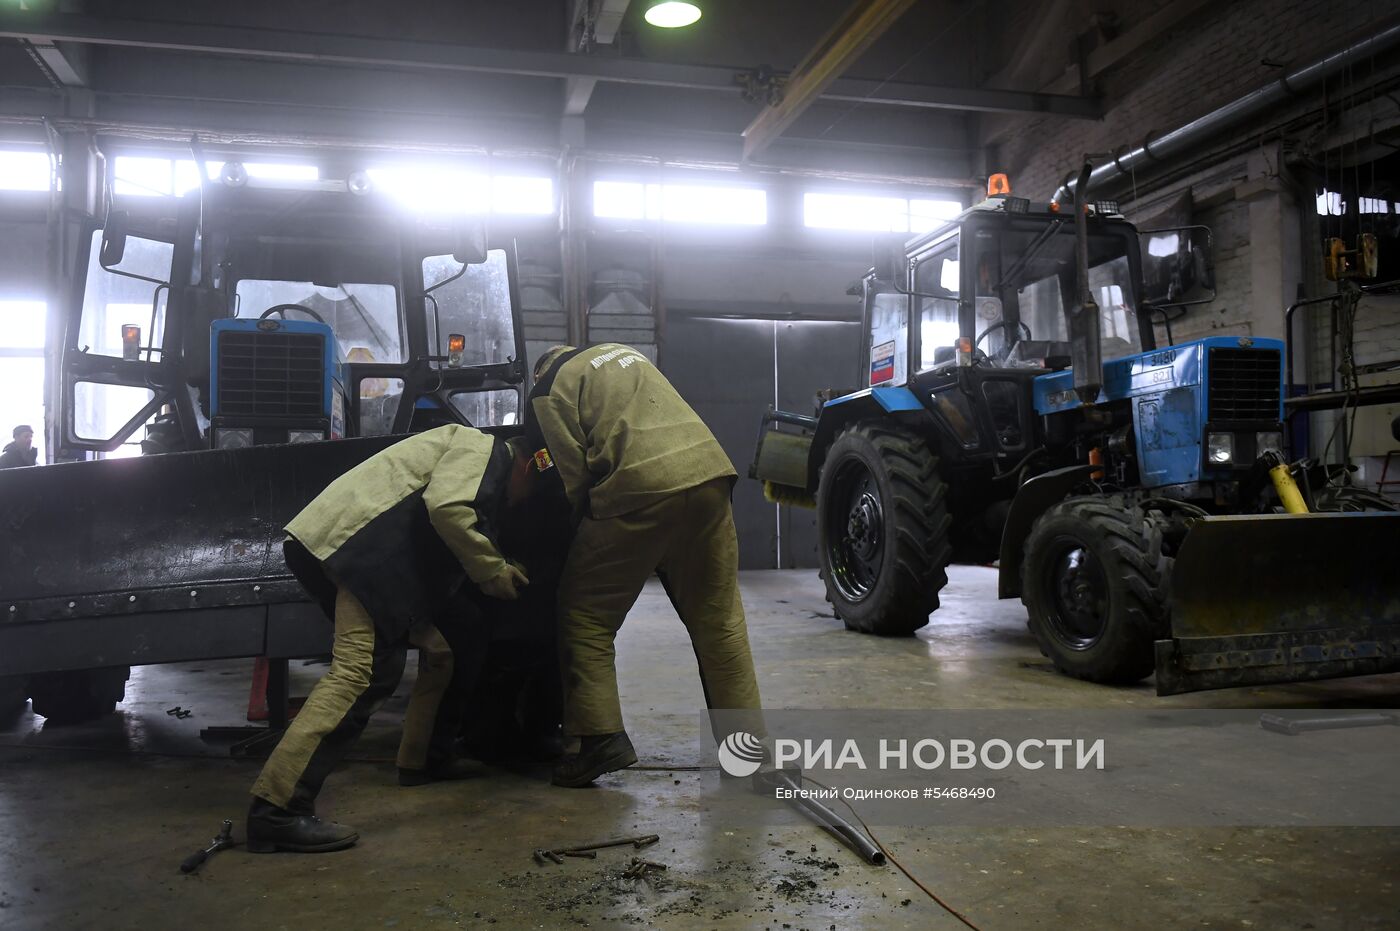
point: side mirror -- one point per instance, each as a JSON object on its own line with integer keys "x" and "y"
{"x": 1177, "y": 266}
{"x": 114, "y": 232}
{"x": 469, "y": 243}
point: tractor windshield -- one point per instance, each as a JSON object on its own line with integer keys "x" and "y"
{"x": 364, "y": 317}
{"x": 1028, "y": 274}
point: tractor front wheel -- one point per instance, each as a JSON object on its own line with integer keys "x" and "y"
{"x": 883, "y": 526}
{"x": 1094, "y": 582}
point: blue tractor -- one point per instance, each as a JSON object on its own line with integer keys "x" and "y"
{"x": 1138, "y": 498}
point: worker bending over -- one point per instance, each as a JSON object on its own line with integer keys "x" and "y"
{"x": 384, "y": 548}
{"x": 650, "y": 488}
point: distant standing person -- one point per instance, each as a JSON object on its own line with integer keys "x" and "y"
{"x": 21, "y": 451}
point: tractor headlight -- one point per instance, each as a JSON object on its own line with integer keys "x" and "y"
{"x": 239, "y": 438}
{"x": 1220, "y": 448}
{"x": 1268, "y": 442}
{"x": 305, "y": 436}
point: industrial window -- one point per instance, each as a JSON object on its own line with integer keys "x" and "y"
{"x": 452, "y": 190}
{"x": 822, "y": 210}
{"x": 24, "y": 171}
{"x": 680, "y": 203}
{"x": 22, "y": 369}
{"x": 156, "y": 176}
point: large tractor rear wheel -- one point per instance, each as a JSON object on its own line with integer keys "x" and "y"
{"x": 883, "y": 526}
{"x": 1094, "y": 582}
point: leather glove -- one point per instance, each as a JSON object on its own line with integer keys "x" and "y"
{"x": 507, "y": 583}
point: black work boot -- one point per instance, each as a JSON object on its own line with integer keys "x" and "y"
{"x": 445, "y": 771}
{"x": 271, "y": 828}
{"x": 604, "y": 753}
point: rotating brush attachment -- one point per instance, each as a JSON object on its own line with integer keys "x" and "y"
{"x": 787, "y": 494}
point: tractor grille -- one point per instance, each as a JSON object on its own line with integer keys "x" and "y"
{"x": 271, "y": 374}
{"x": 1244, "y": 385}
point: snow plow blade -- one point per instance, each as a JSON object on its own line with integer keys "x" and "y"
{"x": 1282, "y": 598}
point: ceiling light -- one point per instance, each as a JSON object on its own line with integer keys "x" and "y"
{"x": 672, "y": 14}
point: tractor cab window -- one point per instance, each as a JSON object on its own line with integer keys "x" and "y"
{"x": 363, "y": 317}
{"x": 473, "y": 301}
{"x": 1036, "y": 282}
{"x": 936, "y": 280}
{"x": 112, "y": 299}
{"x": 1112, "y": 285}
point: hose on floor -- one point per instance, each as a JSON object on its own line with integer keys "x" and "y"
{"x": 895, "y": 860}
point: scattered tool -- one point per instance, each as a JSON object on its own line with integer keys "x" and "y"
{"x": 590, "y": 851}
{"x": 640, "y": 868}
{"x": 224, "y": 839}
{"x": 178, "y": 712}
{"x": 1295, "y": 726}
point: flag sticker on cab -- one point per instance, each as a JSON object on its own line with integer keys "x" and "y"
{"x": 882, "y": 362}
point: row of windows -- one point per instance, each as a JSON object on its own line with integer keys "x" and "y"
{"x": 447, "y": 190}
{"x": 747, "y": 206}
{"x": 1330, "y": 203}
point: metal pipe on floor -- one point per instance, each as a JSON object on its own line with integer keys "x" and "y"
{"x": 829, "y": 820}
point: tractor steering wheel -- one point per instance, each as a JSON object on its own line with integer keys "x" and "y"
{"x": 1020, "y": 325}
{"x": 281, "y": 311}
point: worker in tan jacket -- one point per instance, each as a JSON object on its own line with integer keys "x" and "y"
{"x": 383, "y": 548}
{"x": 650, "y": 488}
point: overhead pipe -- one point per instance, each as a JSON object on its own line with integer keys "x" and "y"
{"x": 1185, "y": 137}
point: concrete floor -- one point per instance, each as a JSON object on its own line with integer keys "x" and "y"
{"x": 95, "y": 819}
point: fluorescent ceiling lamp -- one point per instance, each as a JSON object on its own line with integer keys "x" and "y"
{"x": 672, "y": 14}
{"x": 24, "y": 171}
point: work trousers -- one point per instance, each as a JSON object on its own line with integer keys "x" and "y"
{"x": 688, "y": 539}
{"x": 365, "y": 669}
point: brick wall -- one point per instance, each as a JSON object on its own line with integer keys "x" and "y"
{"x": 1207, "y": 61}
{"x": 1263, "y": 250}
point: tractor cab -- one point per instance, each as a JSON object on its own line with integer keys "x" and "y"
{"x": 972, "y": 313}
{"x": 251, "y": 314}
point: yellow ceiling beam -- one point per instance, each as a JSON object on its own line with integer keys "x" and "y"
{"x": 845, "y": 42}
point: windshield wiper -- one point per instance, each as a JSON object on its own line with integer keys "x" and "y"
{"x": 1031, "y": 252}
{"x": 374, "y": 328}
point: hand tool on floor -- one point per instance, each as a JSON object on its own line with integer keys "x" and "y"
{"x": 1295, "y": 726}
{"x": 589, "y": 851}
{"x": 224, "y": 839}
{"x": 640, "y": 868}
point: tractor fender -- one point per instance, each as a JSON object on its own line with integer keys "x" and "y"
{"x": 1032, "y": 499}
{"x": 839, "y": 413}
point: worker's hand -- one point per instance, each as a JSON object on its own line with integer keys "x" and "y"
{"x": 507, "y": 583}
